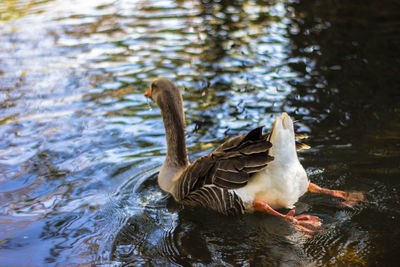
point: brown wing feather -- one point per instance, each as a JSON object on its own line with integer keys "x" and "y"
{"x": 207, "y": 181}
{"x": 216, "y": 198}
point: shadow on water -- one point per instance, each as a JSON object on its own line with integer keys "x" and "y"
{"x": 347, "y": 63}
{"x": 348, "y": 92}
{"x": 80, "y": 148}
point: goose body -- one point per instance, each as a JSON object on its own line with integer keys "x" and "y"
{"x": 244, "y": 169}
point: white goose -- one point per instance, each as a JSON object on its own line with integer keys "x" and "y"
{"x": 247, "y": 173}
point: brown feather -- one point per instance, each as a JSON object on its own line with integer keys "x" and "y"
{"x": 230, "y": 166}
{"x": 301, "y": 136}
{"x": 300, "y": 146}
{"x": 218, "y": 199}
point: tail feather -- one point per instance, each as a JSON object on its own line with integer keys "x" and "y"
{"x": 301, "y": 136}
{"x": 300, "y": 146}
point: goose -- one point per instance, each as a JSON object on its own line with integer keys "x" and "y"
{"x": 247, "y": 173}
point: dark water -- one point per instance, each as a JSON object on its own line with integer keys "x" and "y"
{"x": 80, "y": 147}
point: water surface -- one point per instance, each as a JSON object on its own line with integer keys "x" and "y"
{"x": 81, "y": 147}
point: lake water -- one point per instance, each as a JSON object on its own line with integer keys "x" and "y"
{"x": 81, "y": 147}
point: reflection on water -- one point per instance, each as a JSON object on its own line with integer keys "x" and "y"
{"x": 80, "y": 148}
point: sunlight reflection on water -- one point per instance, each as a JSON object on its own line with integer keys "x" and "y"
{"x": 81, "y": 146}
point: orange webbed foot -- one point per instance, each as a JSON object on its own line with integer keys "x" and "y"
{"x": 307, "y": 224}
{"x": 350, "y": 199}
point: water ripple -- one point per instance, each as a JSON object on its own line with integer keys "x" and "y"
{"x": 80, "y": 148}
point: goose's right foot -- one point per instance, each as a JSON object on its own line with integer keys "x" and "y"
{"x": 307, "y": 224}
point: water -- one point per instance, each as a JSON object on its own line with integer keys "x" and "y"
{"x": 80, "y": 148}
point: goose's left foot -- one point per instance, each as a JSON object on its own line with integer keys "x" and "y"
{"x": 307, "y": 224}
{"x": 349, "y": 198}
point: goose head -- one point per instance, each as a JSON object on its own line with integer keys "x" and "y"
{"x": 164, "y": 92}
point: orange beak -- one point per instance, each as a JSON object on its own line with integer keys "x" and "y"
{"x": 148, "y": 93}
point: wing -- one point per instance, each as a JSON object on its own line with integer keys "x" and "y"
{"x": 216, "y": 198}
{"x": 207, "y": 181}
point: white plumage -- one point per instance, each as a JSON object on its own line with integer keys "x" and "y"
{"x": 284, "y": 180}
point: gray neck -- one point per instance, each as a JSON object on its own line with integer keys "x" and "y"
{"x": 176, "y": 141}
{"x": 174, "y": 123}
